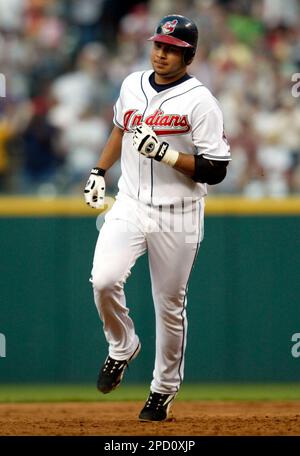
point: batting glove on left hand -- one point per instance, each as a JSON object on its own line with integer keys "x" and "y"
{"x": 94, "y": 191}
{"x": 146, "y": 143}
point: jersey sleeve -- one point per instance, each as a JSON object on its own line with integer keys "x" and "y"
{"x": 118, "y": 110}
{"x": 208, "y": 134}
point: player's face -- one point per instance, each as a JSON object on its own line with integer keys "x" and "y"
{"x": 167, "y": 62}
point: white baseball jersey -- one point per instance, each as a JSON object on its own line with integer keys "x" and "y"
{"x": 187, "y": 116}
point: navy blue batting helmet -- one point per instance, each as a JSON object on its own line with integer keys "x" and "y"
{"x": 178, "y": 31}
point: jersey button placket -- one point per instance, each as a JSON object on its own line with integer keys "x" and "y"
{"x": 146, "y": 169}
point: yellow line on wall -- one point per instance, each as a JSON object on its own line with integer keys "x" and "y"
{"x": 246, "y": 206}
{"x": 75, "y": 206}
{"x": 37, "y": 206}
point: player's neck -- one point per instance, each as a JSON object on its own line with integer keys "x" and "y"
{"x": 165, "y": 79}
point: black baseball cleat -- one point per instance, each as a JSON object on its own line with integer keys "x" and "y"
{"x": 112, "y": 371}
{"x": 157, "y": 407}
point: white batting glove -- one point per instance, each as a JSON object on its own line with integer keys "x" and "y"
{"x": 94, "y": 191}
{"x": 146, "y": 143}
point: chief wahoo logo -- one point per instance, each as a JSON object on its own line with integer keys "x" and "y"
{"x": 169, "y": 26}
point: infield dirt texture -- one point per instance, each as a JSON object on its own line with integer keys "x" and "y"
{"x": 197, "y": 418}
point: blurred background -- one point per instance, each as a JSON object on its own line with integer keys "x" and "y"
{"x": 64, "y": 62}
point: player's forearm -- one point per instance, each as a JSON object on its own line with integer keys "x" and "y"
{"x": 185, "y": 164}
{"x": 112, "y": 149}
{"x": 197, "y": 167}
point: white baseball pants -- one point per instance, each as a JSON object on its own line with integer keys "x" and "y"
{"x": 171, "y": 235}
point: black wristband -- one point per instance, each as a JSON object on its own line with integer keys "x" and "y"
{"x": 98, "y": 171}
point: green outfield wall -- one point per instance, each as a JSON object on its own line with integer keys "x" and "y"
{"x": 243, "y": 302}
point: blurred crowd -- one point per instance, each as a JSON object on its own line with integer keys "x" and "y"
{"x": 64, "y": 62}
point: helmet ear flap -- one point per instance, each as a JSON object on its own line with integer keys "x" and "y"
{"x": 188, "y": 55}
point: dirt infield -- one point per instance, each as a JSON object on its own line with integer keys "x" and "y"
{"x": 120, "y": 418}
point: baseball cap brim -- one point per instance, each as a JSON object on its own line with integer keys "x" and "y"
{"x": 168, "y": 39}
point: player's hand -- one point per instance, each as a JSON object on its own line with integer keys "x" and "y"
{"x": 146, "y": 143}
{"x": 94, "y": 191}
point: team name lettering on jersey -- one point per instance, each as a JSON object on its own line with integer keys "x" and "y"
{"x": 163, "y": 124}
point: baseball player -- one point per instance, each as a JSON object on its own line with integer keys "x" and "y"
{"x": 168, "y": 131}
